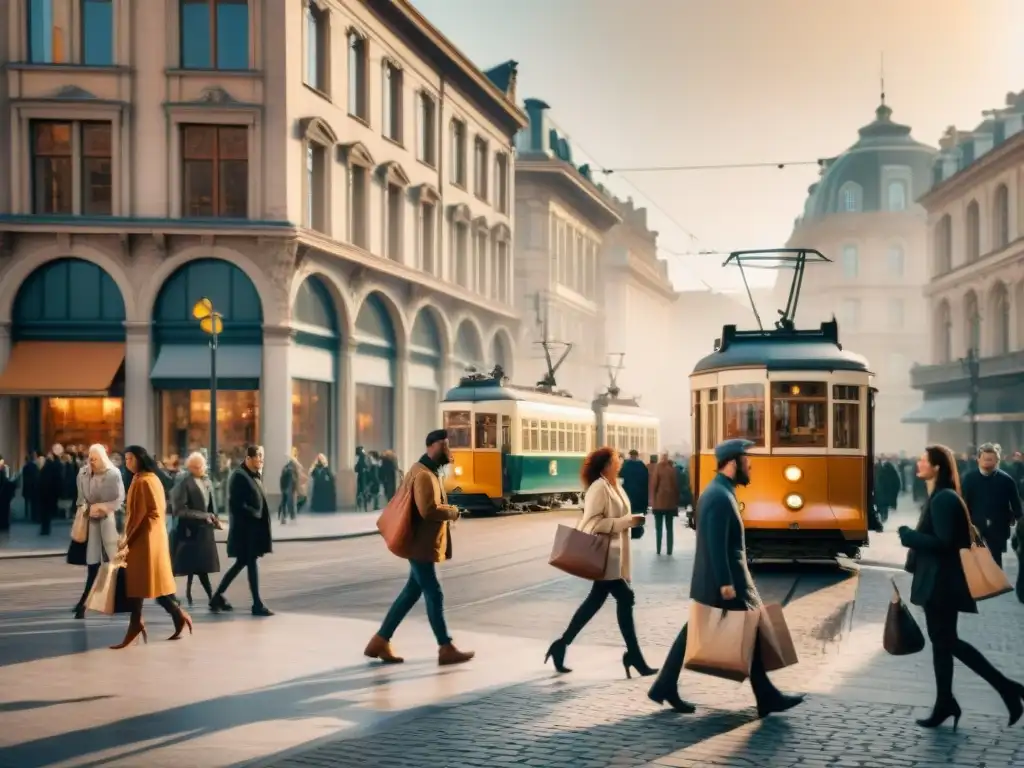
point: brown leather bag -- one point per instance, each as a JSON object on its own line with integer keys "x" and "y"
{"x": 580, "y": 554}
{"x": 395, "y": 521}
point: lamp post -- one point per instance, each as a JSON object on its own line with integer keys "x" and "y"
{"x": 212, "y": 323}
{"x": 972, "y": 368}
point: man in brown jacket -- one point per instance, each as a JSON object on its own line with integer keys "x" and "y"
{"x": 431, "y": 544}
{"x": 664, "y": 501}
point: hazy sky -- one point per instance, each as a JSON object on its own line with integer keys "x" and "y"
{"x": 639, "y": 83}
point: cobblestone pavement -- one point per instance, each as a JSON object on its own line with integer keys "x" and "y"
{"x": 315, "y": 702}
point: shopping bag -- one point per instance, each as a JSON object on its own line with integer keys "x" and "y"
{"x": 80, "y": 526}
{"x": 720, "y": 642}
{"x": 580, "y": 554}
{"x": 901, "y": 636}
{"x": 108, "y": 594}
{"x": 775, "y": 643}
{"x": 395, "y": 522}
{"x": 985, "y": 578}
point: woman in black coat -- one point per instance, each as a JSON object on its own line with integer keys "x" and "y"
{"x": 193, "y": 547}
{"x": 940, "y": 587}
{"x": 321, "y": 480}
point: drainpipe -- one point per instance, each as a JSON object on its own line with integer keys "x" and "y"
{"x": 441, "y": 135}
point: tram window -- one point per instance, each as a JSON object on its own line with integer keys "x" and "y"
{"x": 459, "y": 427}
{"x": 710, "y": 430}
{"x": 561, "y": 437}
{"x": 506, "y": 434}
{"x": 592, "y": 445}
{"x": 534, "y": 435}
{"x": 799, "y": 414}
{"x": 744, "y": 412}
{"x": 525, "y": 441}
{"x": 845, "y": 417}
{"x": 545, "y": 436}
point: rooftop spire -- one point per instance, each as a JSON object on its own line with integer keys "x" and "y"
{"x": 881, "y": 72}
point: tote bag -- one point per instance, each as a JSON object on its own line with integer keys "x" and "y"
{"x": 80, "y": 527}
{"x": 580, "y": 554}
{"x": 775, "y": 643}
{"x": 109, "y": 594}
{"x": 719, "y": 642}
{"x": 395, "y": 521}
{"x": 985, "y": 578}
{"x": 901, "y": 636}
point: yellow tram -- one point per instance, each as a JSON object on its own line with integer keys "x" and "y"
{"x": 807, "y": 405}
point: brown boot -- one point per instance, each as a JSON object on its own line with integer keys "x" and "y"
{"x": 379, "y": 648}
{"x": 449, "y": 654}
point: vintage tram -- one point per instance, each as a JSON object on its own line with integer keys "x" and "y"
{"x": 807, "y": 405}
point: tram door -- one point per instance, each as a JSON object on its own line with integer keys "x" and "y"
{"x": 698, "y": 441}
{"x": 869, "y": 464}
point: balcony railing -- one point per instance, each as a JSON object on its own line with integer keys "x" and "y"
{"x": 924, "y": 376}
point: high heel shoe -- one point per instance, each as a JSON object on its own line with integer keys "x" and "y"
{"x": 1013, "y": 697}
{"x": 181, "y": 620}
{"x": 941, "y": 713}
{"x": 131, "y": 636}
{"x": 636, "y": 661}
{"x": 673, "y": 700}
{"x": 556, "y": 652}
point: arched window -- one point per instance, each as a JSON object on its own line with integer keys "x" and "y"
{"x": 999, "y": 312}
{"x": 1001, "y": 217}
{"x": 896, "y": 197}
{"x": 944, "y": 333}
{"x": 973, "y": 231}
{"x": 943, "y": 245}
{"x": 972, "y": 322}
{"x": 850, "y": 197}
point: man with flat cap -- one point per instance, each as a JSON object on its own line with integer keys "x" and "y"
{"x": 721, "y": 578}
{"x": 431, "y": 544}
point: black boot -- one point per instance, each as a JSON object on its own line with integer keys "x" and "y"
{"x": 1013, "y": 696}
{"x": 672, "y": 699}
{"x": 777, "y": 704}
{"x": 635, "y": 660}
{"x": 942, "y": 711}
{"x": 556, "y": 653}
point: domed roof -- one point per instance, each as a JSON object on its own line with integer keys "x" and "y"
{"x": 882, "y": 144}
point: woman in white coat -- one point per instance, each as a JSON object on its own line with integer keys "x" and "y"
{"x": 606, "y": 512}
{"x": 101, "y": 492}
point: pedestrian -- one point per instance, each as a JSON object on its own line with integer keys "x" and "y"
{"x": 388, "y": 474}
{"x": 940, "y": 587}
{"x": 721, "y": 579}
{"x": 664, "y": 502}
{"x": 101, "y": 492}
{"x": 289, "y": 485}
{"x": 249, "y": 536}
{"x": 8, "y": 487}
{"x": 993, "y": 500}
{"x": 322, "y": 491}
{"x": 606, "y": 512}
{"x": 636, "y": 483}
{"x": 148, "y": 573}
{"x": 431, "y": 544}
{"x": 51, "y": 478}
{"x": 194, "y": 548}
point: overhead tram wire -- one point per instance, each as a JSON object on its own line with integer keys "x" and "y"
{"x": 716, "y": 167}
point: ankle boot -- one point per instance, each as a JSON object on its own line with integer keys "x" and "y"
{"x": 556, "y": 653}
{"x": 942, "y": 711}
{"x": 635, "y": 660}
{"x": 380, "y": 649}
{"x": 1012, "y": 694}
{"x": 448, "y": 654}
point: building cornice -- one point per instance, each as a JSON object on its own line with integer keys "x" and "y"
{"x": 980, "y": 269}
{"x": 583, "y": 193}
{"x": 968, "y": 177}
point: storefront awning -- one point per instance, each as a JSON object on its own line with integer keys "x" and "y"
{"x": 939, "y": 410}
{"x": 187, "y": 366}
{"x": 61, "y": 368}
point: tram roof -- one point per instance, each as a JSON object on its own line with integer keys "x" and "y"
{"x": 799, "y": 350}
{"x": 491, "y": 390}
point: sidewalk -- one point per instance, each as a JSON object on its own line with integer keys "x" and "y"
{"x": 24, "y": 541}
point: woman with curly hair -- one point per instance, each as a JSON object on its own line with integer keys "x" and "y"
{"x": 606, "y": 512}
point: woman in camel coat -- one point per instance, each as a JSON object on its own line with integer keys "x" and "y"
{"x": 148, "y": 572}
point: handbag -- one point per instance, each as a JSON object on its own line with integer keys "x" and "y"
{"x": 720, "y": 642}
{"x": 985, "y": 578}
{"x": 901, "y": 636}
{"x": 395, "y": 522}
{"x": 80, "y": 526}
{"x": 774, "y": 641}
{"x": 579, "y": 553}
{"x": 109, "y": 592}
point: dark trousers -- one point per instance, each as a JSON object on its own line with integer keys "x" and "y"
{"x": 92, "y": 571}
{"x": 666, "y": 521}
{"x": 624, "y": 601}
{"x": 248, "y": 565}
{"x": 47, "y": 510}
{"x": 423, "y": 582}
{"x": 168, "y": 602}
{"x": 997, "y": 553}
{"x": 668, "y": 679}
{"x": 204, "y": 581}
{"x": 5, "y": 514}
{"x": 941, "y": 621}
{"x": 286, "y": 509}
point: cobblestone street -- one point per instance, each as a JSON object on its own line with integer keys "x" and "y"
{"x": 294, "y": 690}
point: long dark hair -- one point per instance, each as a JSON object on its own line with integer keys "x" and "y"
{"x": 594, "y": 465}
{"x": 143, "y": 461}
{"x": 942, "y": 458}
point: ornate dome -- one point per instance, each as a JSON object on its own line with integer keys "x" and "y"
{"x": 886, "y": 170}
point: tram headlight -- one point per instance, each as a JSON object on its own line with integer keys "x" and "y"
{"x": 458, "y": 471}
{"x": 794, "y": 501}
{"x": 793, "y": 473}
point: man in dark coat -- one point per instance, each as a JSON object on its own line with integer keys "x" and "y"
{"x": 635, "y": 482}
{"x": 51, "y": 480}
{"x": 30, "y": 487}
{"x": 7, "y": 489}
{"x": 992, "y": 497}
{"x": 249, "y": 532}
{"x": 721, "y": 579}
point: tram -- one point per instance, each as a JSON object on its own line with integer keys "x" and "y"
{"x": 807, "y": 404}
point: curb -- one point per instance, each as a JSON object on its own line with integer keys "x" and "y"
{"x": 40, "y": 555}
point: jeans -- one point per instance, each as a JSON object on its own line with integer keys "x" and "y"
{"x": 254, "y": 579}
{"x": 668, "y": 679}
{"x": 422, "y": 581}
{"x": 287, "y": 507}
{"x": 940, "y": 621}
{"x": 624, "y": 600}
{"x": 667, "y": 521}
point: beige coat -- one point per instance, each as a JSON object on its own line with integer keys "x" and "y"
{"x": 148, "y": 570}
{"x": 606, "y": 510}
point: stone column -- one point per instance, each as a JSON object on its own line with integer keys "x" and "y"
{"x": 345, "y": 419}
{"x": 275, "y": 408}
{"x": 9, "y": 437}
{"x": 401, "y": 394}
{"x": 140, "y": 416}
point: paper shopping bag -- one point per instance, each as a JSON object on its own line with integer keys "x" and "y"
{"x": 775, "y": 643}
{"x": 719, "y": 642}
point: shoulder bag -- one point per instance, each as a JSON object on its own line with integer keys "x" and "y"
{"x": 579, "y": 553}
{"x": 901, "y": 636}
{"x": 395, "y": 521}
{"x": 985, "y": 578}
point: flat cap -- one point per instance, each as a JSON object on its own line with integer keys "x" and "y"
{"x": 731, "y": 449}
{"x": 436, "y": 436}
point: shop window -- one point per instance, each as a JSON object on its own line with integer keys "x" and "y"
{"x": 459, "y": 427}
{"x": 486, "y": 430}
{"x": 185, "y": 417}
{"x": 846, "y": 417}
{"x": 423, "y": 407}
{"x": 215, "y": 171}
{"x": 83, "y": 421}
{"x": 311, "y": 419}
{"x": 374, "y": 417}
{"x": 799, "y": 414}
{"x": 744, "y": 412}
{"x": 214, "y": 34}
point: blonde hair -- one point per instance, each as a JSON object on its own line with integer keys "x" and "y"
{"x": 100, "y": 452}
{"x": 195, "y": 456}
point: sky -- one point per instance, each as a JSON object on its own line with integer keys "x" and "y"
{"x": 644, "y": 83}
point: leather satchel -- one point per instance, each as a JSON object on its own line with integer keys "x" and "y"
{"x": 580, "y": 554}
{"x": 901, "y": 636}
{"x": 395, "y": 521}
{"x": 985, "y": 578}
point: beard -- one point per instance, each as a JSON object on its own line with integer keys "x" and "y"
{"x": 742, "y": 476}
{"x": 443, "y": 459}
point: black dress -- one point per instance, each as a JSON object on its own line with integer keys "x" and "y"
{"x": 194, "y": 546}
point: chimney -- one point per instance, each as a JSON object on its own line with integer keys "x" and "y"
{"x": 538, "y": 130}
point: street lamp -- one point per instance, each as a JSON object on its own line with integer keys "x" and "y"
{"x": 211, "y": 322}
{"x": 972, "y": 367}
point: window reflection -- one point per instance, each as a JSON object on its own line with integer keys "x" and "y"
{"x": 374, "y": 417}
{"x": 83, "y": 421}
{"x": 799, "y": 414}
{"x": 185, "y": 419}
{"x": 458, "y": 424}
{"x": 744, "y": 412}
{"x": 311, "y": 420}
{"x": 846, "y": 417}
{"x": 487, "y": 431}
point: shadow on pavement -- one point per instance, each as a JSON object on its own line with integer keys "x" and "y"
{"x": 21, "y": 706}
